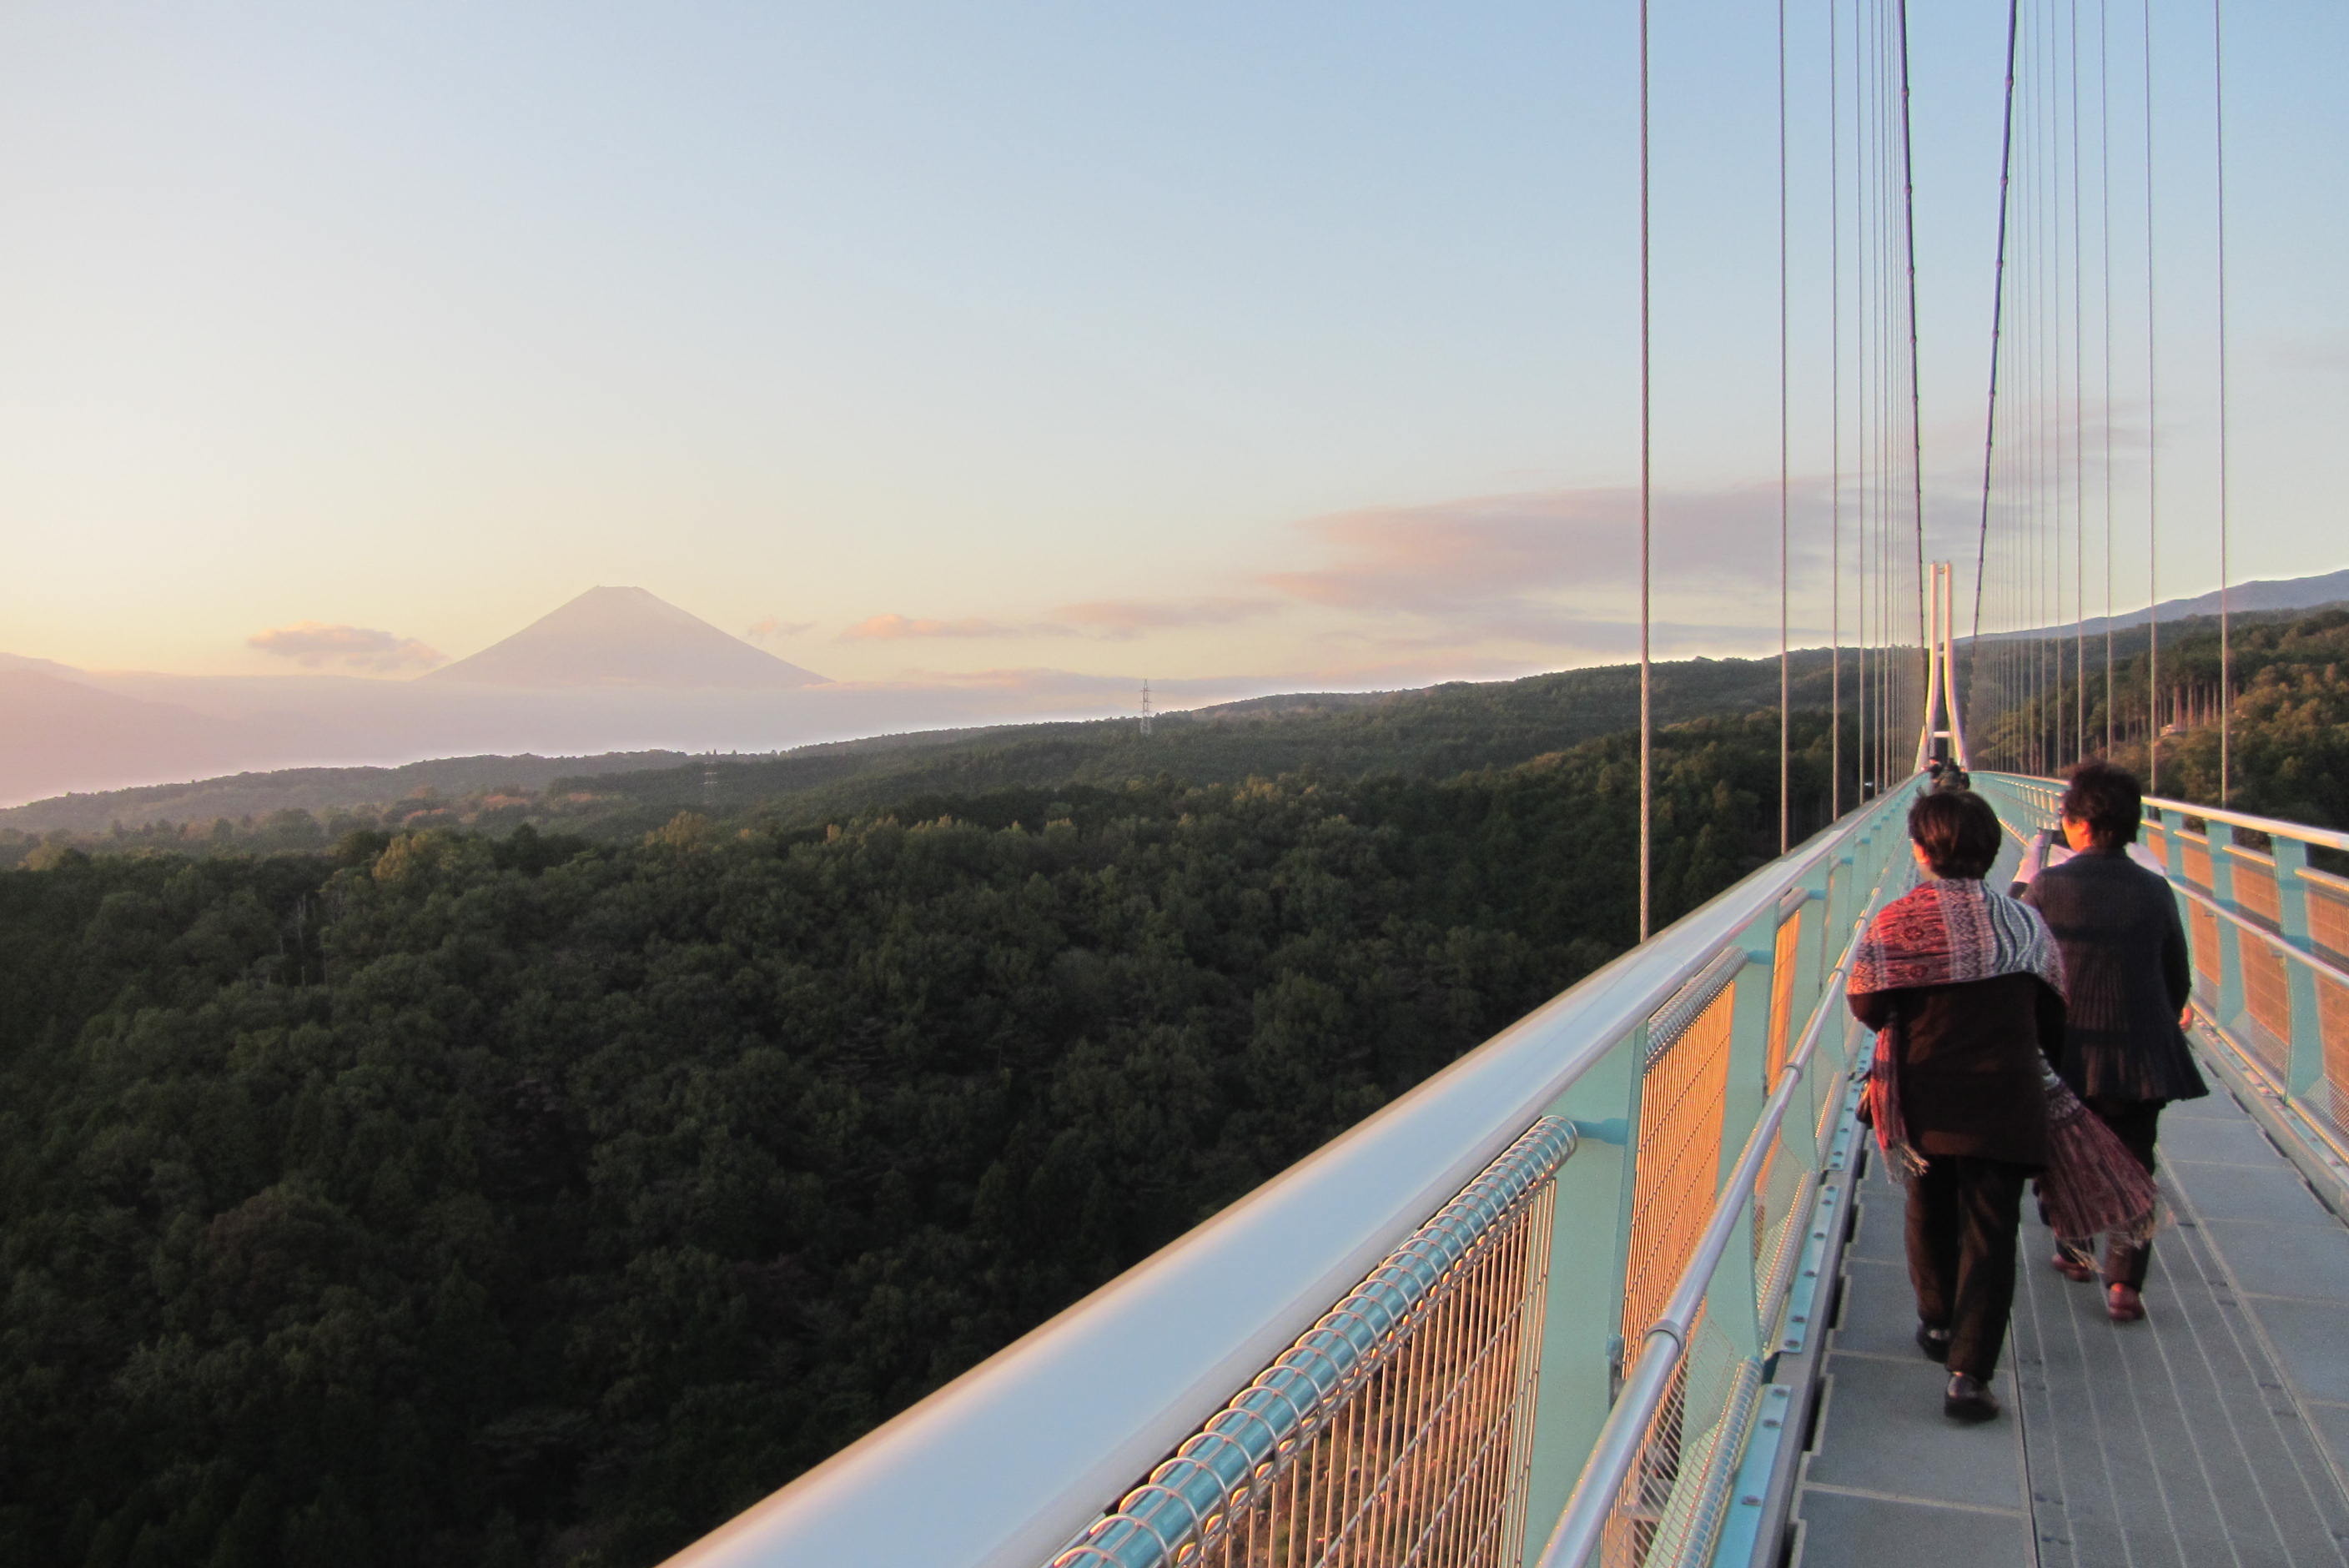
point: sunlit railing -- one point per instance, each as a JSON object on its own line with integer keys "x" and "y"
{"x": 1383, "y": 1357}
{"x": 1395, "y": 1429}
{"x": 1655, "y": 1488}
{"x": 2270, "y": 935}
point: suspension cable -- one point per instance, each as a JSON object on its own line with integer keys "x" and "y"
{"x": 1835, "y": 416}
{"x": 2225, "y": 638}
{"x": 1916, "y": 393}
{"x": 1647, "y": 505}
{"x": 2104, "y": 259}
{"x": 2152, "y": 452}
{"x": 1785, "y": 687}
{"x": 2079, "y": 425}
{"x": 1997, "y": 327}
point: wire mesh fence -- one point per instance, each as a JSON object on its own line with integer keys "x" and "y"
{"x": 1682, "y": 1100}
{"x": 1669, "y": 1509}
{"x": 1397, "y": 1432}
{"x": 1681, "y": 1091}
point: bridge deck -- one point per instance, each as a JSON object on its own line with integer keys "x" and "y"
{"x": 2215, "y": 1432}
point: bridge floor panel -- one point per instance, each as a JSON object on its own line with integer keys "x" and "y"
{"x": 2214, "y": 1432}
{"x": 1889, "y": 1478}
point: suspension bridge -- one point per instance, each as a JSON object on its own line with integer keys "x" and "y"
{"x": 1623, "y": 1286}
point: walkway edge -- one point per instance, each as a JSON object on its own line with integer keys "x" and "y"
{"x": 2307, "y": 1146}
{"x": 1755, "y": 1534}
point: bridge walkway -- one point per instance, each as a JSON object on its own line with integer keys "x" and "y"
{"x": 2214, "y": 1432}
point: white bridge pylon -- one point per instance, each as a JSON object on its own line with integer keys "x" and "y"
{"x": 1941, "y": 673}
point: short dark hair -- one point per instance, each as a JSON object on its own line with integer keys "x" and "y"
{"x": 1958, "y": 831}
{"x": 2108, "y": 799}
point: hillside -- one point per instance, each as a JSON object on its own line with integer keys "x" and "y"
{"x": 319, "y": 790}
{"x": 46, "y": 716}
{"x": 1428, "y": 734}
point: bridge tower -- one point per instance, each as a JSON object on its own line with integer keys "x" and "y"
{"x": 1945, "y": 735}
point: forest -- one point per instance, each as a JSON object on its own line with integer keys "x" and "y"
{"x": 524, "y": 1198}
{"x": 2286, "y": 692}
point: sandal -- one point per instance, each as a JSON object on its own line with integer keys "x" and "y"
{"x": 2123, "y": 1303}
{"x": 2071, "y": 1268}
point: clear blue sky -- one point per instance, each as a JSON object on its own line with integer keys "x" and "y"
{"x": 1192, "y": 340}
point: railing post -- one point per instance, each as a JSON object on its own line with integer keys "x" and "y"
{"x": 2173, "y": 856}
{"x": 1589, "y": 1243}
{"x": 1812, "y": 955}
{"x": 2173, "y": 846}
{"x": 2219, "y": 838}
{"x": 2292, "y": 911}
{"x": 1729, "y": 1301}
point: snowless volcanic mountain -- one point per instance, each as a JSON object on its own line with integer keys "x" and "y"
{"x": 623, "y": 637}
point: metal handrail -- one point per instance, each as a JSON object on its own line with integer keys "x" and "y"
{"x": 2275, "y": 828}
{"x": 1263, "y": 1428}
{"x": 1584, "y": 1522}
{"x": 2327, "y": 837}
{"x": 2338, "y": 976}
{"x": 1008, "y": 1462}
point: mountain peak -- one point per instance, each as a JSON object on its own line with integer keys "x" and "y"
{"x": 619, "y": 636}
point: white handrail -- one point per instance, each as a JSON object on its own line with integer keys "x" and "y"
{"x": 1004, "y": 1465}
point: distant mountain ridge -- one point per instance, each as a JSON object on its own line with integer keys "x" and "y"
{"x": 623, "y": 637}
{"x": 2242, "y": 598}
{"x": 665, "y": 682}
{"x": 1429, "y": 730}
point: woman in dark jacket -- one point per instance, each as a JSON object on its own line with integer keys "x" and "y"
{"x": 1965, "y": 989}
{"x": 2126, "y": 964}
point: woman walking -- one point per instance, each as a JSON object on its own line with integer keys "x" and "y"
{"x": 1965, "y": 989}
{"x": 2123, "y": 949}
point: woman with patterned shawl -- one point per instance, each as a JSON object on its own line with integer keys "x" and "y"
{"x": 1965, "y": 990}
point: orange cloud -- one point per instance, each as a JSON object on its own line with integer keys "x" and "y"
{"x": 313, "y": 645}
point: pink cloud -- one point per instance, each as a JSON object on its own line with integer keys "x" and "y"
{"x": 892, "y": 628}
{"x": 1452, "y": 555}
{"x": 774, "y": 630}
{"x": 314, "y": 644}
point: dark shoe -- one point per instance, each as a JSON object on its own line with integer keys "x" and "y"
{"x": 1934, "y": 1342}
{"x": 2071, "y": 1268}
{"x": 2124, "y": 1305}
{"x": 1968, "y": 1400}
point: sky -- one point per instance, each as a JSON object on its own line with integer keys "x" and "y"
{"x": 1290, "y": 342}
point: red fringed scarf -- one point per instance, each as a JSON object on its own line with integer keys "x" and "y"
{"x": 2092, "y": 1184}
{"x": 1944, "y": 931}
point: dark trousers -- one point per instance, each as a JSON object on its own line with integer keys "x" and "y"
{"x": 1963, "y": 1214}
{"x": 2134, "y": 1122}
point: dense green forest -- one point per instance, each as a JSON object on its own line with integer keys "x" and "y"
{"x": 2286, "y": 696}
{"x": 523, "y": 1199}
